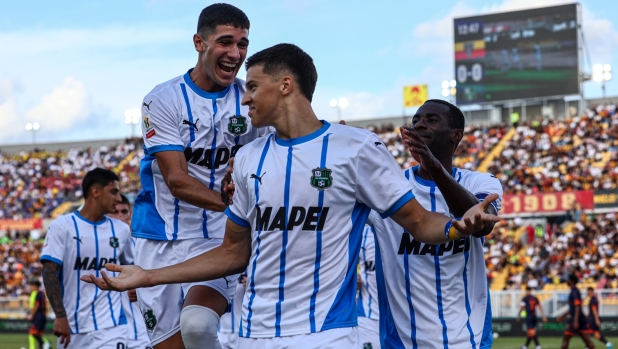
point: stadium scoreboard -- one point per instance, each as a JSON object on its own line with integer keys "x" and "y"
{"x": 517, "y": 55}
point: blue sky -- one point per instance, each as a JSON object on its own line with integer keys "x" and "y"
{"x": 76, "y": 66}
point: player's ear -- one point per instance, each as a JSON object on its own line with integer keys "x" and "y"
{"x": 286, "y": 85}
{"x": 456, "y": 136}
{"x": 198, "y": 42}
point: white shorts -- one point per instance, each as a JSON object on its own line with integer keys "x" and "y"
{"x": 228, "y": 340}
{"x": 107, "y": 338}
{"x": 369, "y": 333}
{"x": 161, "y": 305}
{"x": 337, "y": 338}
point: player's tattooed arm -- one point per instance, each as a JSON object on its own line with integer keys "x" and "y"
{"x": 52, "y": 287}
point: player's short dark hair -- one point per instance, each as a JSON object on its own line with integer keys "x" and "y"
{"x": 573, "y": 278}
{"x": 221, "y": 14}
{"x": 590, "y": 289}
{"x": 528, "y": 288}
{"x": 456, "y": 120}
{"x": 98, "y": 176}
{"x": 282, "y": 58}
{"x": 124, "y": 200}
{"x": 35, "y": 282}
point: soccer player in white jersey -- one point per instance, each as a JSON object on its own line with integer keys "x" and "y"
{"x": 79, "y": 243}
{"x": 435, "y": 295}
{"x": 136, "y": 327}
{"x": 301, "y": 200}
{"x": 228, "y": 326}
{"x": 192, "y": 125}
{"x": 367, "y": 308}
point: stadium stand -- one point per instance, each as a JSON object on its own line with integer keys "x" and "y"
{"x": 541, "y": 156}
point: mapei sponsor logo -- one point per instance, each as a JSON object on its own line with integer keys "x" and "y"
{"x": 311, "y": 219}
{"x": 410, "y": 246}
{"x": 370, "y": 265}
{"x": 87, "y": 263}
{"x": 204, "y": 157}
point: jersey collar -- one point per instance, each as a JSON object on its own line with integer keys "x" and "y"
{"x": 427, "y": 182}
{"x": 295, "y": 141}
{"x": 89, "y": 221}
{"x": 202, "y": 93}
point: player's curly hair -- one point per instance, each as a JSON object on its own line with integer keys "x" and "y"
{"x": 457, "y": 120}
{"x": 221, "y": 14}
{"x": 291, "y": 59}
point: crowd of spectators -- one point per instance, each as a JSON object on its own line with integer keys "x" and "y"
{"x": 546, "y": 254}
{"x": 579, "y": 153}
{"x": 33, "y": 183}
{"x": 19, "y": 261}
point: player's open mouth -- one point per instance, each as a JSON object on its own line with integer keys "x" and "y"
{"x": 227, "y": 67}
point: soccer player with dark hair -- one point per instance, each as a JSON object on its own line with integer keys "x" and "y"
{"x": 38, "y": 316}
{"x": 192, "y": 125}
{"x": 435, "y": 295}
{"x": 83, "y": 242}
{"x": 301, "y": 200}
{"x": 593, "y": 318}
{"x": 528, "y": 305}
{"x": 577, "y": 320}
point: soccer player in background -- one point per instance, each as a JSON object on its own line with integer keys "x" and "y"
{"x": 435, "y": 295}
{"x": 593, "y": 318}
{"x": 137, "y": 335}
{"x": 528, "y": 305}
{"x": 228, "y": 326}
{"x": 38, "y": 316}
{"x": 577, "y": 321}
{"x": 192, "y": 125}
{"x": 83, "y": 242}
{"x": 301, "y": 200}
{"x": 367, "y": 302}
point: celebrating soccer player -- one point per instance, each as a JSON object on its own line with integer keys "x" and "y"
{"x": 435, "y": 295}
{"x": 301, "y": 200}
{"x": 80, "y": 243}
{"x": 192, "y": 125}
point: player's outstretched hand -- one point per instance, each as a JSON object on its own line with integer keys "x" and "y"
{"x": 62, "y": 330}
{"x": 227, "y": 186}
{"x": 475, "y": 218}
{"x": 130, "y": 277}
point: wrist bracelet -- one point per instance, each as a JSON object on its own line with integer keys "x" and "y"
{"x": 450, "y": 231}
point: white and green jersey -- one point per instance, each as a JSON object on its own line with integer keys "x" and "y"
{"x": 306, "y": 201}
{"x": 433, "y": 296}
{"x": 82, "y": 247}
{"x": 208, "y": 128}
{"x": 368, "y": 293}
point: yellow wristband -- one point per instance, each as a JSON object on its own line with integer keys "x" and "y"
{"x": 452, "y": 233}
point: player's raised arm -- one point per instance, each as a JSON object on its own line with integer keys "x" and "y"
{"x": 230, "y": 258}
{"x": 435, "y": 228}
{"x": 458, "y": 198}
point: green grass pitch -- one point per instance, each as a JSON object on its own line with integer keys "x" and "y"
{"x": 18, "y": 341}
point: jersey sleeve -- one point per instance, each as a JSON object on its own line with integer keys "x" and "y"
{"x": 127, "y": 254}
{"x": 55, "y": 242}
{"x": 239, "y": 211}
{"x": 380, "y": 183}
{"x": 483, "y": 184}
{"x": 160, "y": 126}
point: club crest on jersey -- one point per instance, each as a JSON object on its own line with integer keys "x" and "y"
{"x": 113, "y": 242}
{"x": 237, "y": 125}
{"x": 150, "y": 319}
{"x": 321, "y": 178}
